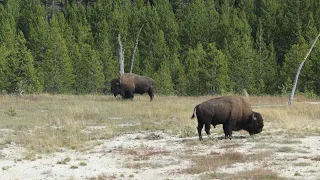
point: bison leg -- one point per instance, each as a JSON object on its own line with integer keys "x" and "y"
{"x": 129, "y": 95}
{"x": 207, "y": 129}
{"x": 150, "y": 92}
{"x": 227, "y": 128}
{"x": 200, "y": 126}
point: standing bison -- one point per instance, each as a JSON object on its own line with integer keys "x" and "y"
{"x": 128, "y": 84}
{"x": 233, "y": 112}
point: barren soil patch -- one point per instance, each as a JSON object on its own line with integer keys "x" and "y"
{"x": 157, "y": 155}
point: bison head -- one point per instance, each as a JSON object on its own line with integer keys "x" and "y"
{"x": 255, "y": 123}
{"x": 115, "y": 86}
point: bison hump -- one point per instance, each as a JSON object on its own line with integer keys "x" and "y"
{"x": 240, "y": 107}
{"x": 128, "y": 79}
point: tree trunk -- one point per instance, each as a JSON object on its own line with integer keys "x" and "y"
{"x": 134, "y": 50}
{"x": 298, "y": 72}
{"x": 120, "y": 55}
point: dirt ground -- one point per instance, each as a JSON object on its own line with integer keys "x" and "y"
{"x": 157, "y": 155}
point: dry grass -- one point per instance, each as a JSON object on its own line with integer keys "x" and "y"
{"x": 317, "y": 158}
{"x": 142, "y": 153}
{"x": 285, "y": 149}
{"x": 260, "y": 155}
{"x": 289, "y": 141}
{"x": 261, "y": 174}
{"x": 211, "y": 162}
{"x": 45, "y": 123}
{"x": 301, "y": 117}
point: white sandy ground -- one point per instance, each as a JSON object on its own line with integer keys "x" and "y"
{"x": 160, "y": 156}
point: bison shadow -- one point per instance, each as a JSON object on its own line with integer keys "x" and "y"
{"x": 214, "y": 138}
{"x": 234, "y": 137}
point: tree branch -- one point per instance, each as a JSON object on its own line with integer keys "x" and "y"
{"x": 298, "y": 71}
{"x": 120, "y": 55}
{"x": 134, "y": 50}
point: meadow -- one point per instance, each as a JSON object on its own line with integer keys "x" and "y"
{"x": 45, "y": 124}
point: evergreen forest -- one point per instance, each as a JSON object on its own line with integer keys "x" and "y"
{"x": 189, "y": 47}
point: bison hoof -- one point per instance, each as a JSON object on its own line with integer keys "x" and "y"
{"x": 200, "y": 138}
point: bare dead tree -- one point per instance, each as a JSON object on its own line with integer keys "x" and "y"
{"x": 298, "y": 71}
{"x": 134, "y": 50}
{"x": 20, "y": 87}
{"x": 121, "y": 56}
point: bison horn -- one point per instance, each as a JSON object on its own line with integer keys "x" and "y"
{"x": 253, "y": 117}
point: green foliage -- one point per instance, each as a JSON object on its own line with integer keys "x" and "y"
{"x": 179, "y": 78}
{"x": 219, "y": 69}
{"x": 3, "y": 68}
{"x": 56, "y": 66}
{"x": 195, "y": 74}
{"x": 188, "y": 47}
{"x": 22, "y": 75}
{"x": 292, "y": 61}
{"x": 11, "y": 112}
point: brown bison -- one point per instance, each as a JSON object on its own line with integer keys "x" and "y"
{"x": 128, "y": 84}
{"x": 233, "y": 112}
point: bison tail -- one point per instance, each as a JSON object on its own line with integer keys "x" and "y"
{"x": 193, "y": 112}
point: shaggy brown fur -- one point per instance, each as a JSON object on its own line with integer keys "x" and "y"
{"x": 233, "y": 112}
{"x": 128, "y": 84}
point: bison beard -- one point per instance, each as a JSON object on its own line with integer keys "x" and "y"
{"x": 233, "y": 112}
{"x": 128, "y": 84}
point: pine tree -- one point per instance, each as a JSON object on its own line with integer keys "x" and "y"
{"x": 179, "y": 79}
{"x": 310, "y": 29}
{"x": 244, "y": 67}
{"x": 194, "y": 73}
{"x": 168, "y": 25}
{"x": 151, "y": 21}
{"x": 288, "y": 26}
{"x": 3, "y": 68}
{"x": 219, "y": 70}
{"x": 192, "y": 47}
{"x": 21, "y": 73}
{"x": 198, "y": 16}
{"x": 316, "y": 12}
{"x": 162, "y": 65}
{"x": 224, "y": 29}
{"x": 100, "y": 29}
{"x": 36, "y": 30}
{"x": 9, "y": 48}
{"x": 88, "y": 70}
{"x": 269, "y": 74}
{"x": 87, "y": 62}
{"x": 314, "y": 73}
{"x": 266, "y": 15}
{"x": 108, "y": 61}
{"x": 57, "y": 66}
{"x": 163, "y": 79}
{"x": 31, "y": 15}
{"x": 118, "y": 24}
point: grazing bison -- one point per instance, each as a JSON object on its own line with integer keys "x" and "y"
{"x": 233, "y": 112}
{"x": 128, "y": 84}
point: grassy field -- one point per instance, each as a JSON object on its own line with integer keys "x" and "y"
{"x": 44, "y": 123}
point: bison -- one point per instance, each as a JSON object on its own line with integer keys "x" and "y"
{"x": 233, "y": 112}
{"x": 128, "y": 84}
